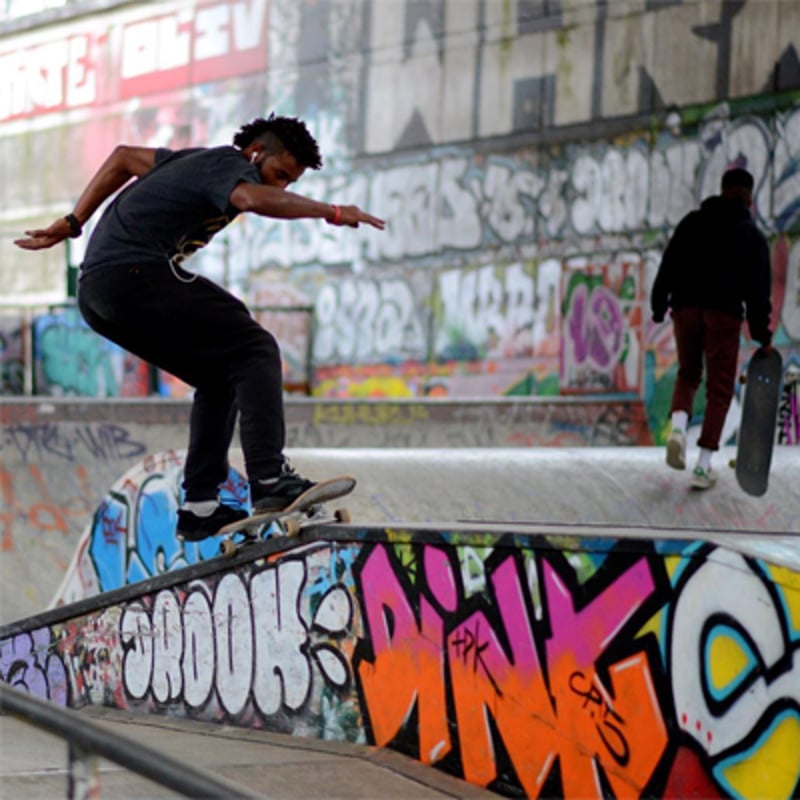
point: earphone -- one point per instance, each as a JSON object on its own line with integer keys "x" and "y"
{"x": 253, "y": 158}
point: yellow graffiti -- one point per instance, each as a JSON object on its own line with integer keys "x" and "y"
{"x": 369, "y": 414}
{"x": 787, "y": 582}
{"x": 771, "y": 769}
{"x": 388, "y": 386}
{"x": 727, "y": 662}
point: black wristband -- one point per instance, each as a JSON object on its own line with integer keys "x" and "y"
{"x": 75, "y": 227}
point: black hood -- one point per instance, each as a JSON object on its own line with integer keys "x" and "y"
{"x": 725, "y": 209}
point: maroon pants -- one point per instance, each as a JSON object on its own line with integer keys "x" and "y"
{"x": 702, "y": 333}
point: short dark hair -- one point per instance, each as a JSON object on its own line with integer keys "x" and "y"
{"x": 277, "y": 134}
{"x": 738, "y": 178}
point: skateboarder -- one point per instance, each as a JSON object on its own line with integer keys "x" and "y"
{"x": 715, "y": 271}
{"x": 134, "y": 290}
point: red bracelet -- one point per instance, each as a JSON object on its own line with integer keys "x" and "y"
{"x": 337, "y": 215}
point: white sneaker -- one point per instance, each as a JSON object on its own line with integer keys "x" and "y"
{"x": 676, "y": 450}
{"x": 703, "y": 478}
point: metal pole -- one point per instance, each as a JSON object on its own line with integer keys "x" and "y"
{"x": 83, "y": 782}
{"x": 89, "y": 737}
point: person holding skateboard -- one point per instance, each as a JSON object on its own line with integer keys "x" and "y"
{"x": 134, "y": 290}
{"x": 715, "y": 271}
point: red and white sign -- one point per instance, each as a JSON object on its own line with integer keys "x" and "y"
{"x": 182, "y": 44}
{"x": 52, "y": 76}
{"x": 208, "y": 43}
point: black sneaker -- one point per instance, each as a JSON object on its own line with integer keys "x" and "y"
{"x": 194, "y": 529}
{"x": 275, "y": 494}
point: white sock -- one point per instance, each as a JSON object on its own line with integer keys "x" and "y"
{"x": 201, "y": 508}
{"x": 704, "y": 460}
{"x": 680, "y": 421}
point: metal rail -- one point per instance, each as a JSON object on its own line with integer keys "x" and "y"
{"x": 86, "y": 740}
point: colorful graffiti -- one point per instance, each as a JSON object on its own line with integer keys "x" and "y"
{"x": 132, "y": 534}
{"x": 587, "y": 668}
{"x": 70, "y": 359}
{"x": 602, "y": 324}
{"x": 789, "y": 406}
{"x": 498, "y": 274}
{"x": 12, "y": 362}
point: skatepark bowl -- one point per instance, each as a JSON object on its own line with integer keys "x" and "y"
{"x": 540, "y": 622}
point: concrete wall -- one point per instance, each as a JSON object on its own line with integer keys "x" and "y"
{"x": 531, "y": 158}
{"x": 538, "y": 663}
{"x": 58, "y": 458}
{"x": 103, "y": 479}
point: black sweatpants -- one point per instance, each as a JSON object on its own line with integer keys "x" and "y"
{"x": 187, "y": 325}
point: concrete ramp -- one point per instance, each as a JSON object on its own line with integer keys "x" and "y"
{"x": 600, "y": 486}
{"x": 536, "y": 660}
{"x": 130, "y": 537}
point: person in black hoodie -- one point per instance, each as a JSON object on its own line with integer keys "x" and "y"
{"x": 715, "y": 272}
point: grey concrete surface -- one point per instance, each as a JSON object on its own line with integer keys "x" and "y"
{"x": 33, "y": 764}
{"x": 59, "y": 456}
{"x": 597, "y": 486}
{"x": 622, "y": 487}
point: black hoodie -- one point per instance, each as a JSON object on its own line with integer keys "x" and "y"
{"x": 717, "y": 258}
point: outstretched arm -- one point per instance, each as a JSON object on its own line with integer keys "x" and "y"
{"x": 272, "y": 201}
{"x": 124, "y": 163}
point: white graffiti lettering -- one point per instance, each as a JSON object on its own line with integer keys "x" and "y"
{"x": 246, "y": 645}
{"x": 725, "y": 624}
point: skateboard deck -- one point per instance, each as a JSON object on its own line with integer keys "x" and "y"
{"x": 306, "y": 508}
{"x": 762, "y": 388}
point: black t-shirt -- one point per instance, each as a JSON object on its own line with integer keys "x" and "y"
{"x": 171, "y": 211}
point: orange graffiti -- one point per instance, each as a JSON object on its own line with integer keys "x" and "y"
{"x": 408, "y": 661}
{"x": 512, "y": 692}
{"x": 608, "y": 726}
{"x": 47, "y": 514}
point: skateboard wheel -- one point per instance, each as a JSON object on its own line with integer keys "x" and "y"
{"x": 291, "y": 527}
{"x": 342, "y": 515}
{"x": 732, "y": 463}
{"x": 743, "y": 378}
{"x": 228, "y": 548}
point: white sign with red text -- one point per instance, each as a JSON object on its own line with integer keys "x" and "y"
{"x": 136, "y": 52}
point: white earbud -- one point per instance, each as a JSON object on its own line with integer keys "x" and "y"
{"x": 253, "y": 158}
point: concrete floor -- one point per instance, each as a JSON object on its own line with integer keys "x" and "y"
{"x": 33, "y": 764}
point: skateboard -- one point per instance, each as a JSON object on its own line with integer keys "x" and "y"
{"x": 762, "y": 382}
{"x": 305, "y": 509}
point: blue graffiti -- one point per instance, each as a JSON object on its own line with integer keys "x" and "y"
{"x": 134, "y": 541}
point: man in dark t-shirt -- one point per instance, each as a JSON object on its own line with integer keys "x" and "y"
{"x": 134, "y": 291}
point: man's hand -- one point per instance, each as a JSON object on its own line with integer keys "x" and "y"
{"x": 42, "y": 238}
{"x": 353, "y": 216}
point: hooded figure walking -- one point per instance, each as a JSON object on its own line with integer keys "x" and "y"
{"x": 715, "y": 272}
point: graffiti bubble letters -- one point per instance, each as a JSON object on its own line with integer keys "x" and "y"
{"x": 493, "y": 661}
{"x": 737, "y": 683}
{"x": 245, "y": 646}
{"x": 28, "y": 664}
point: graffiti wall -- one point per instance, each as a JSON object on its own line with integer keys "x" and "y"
{"x": 70, "y": 359}
{"x": 587, "y": 669}
{"x": 530, "y": 188}
{"x": 12, "y": 354}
